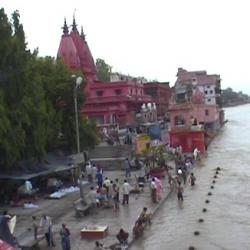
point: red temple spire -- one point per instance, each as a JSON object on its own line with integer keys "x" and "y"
{"x": 82, "y": 34}
{"x": 74, "y": 25}
{"x": 65, "y": 27}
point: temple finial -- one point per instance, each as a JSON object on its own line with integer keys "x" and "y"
{"x": 65, "y": 27}
{"x": 82, "y": 34}
{"x": 74, "y": 25}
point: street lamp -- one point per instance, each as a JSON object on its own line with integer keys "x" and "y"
{"x": 77, "y": 83}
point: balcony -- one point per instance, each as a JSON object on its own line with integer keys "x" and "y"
{"x": 180, "y": 106}
{"x": 187, "y": 128}
{"x": 119, "y": 98}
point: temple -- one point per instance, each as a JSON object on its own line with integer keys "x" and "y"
{"x": 110, "y": 103}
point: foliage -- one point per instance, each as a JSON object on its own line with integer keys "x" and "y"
{"x": 156, "y": 156}
{"x": 36, "y": 101}
{"x": 104, "y": 70}
{"x": 230, "y": 97}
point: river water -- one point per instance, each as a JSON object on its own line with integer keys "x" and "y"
{"x": 226, "y": 223}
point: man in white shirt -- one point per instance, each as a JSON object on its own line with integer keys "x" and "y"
{"x": 126, "y": 188}
{"x": 89, "y": 171}
{"x": 46, "y": 225}
{"x": 107, "y": 182}
{"x": 196, "y": 154}
{"x": 153, "y": 188}
{"x": 28, "y": 187}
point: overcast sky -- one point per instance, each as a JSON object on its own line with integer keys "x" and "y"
{"x": 150, "y": 38}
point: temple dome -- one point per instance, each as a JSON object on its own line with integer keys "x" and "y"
{"x": 85, "y": 56}
{"x": 68, "y": 52}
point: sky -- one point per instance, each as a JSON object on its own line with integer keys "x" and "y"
{"x": 150, "y": 38}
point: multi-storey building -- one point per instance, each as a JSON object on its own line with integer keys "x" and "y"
{"x": 195, "y": 111}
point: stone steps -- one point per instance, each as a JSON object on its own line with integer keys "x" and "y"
{"x": 110, "y": 157}
{"x": 110, "y": 151}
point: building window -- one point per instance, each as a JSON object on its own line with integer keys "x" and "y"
{"x": 99, "y": 93}
{"x": 206, "y": 92}
{"x": 118, "y": 91}
{"x": 179, "y": 120}
{"x": 208, "y": 86}
{"x": 211, "y": 92}
{"x": 209, "y": 100}
{"x": 206, "y": 112}
{"x": 97, "y": 119}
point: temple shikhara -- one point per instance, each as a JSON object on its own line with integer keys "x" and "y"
{"x": 192, "y": 105}
{"x": 115, "y": 102}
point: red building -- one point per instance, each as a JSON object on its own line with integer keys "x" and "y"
{"x": 115, "y": 102}
{"x": 108, "y": 103}
{"x": 160, "y": 93}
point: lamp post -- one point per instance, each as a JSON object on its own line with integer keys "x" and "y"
{"x": 77, "y": 83}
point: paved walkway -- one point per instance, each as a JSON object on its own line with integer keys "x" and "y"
{"x": 62, "y": 211}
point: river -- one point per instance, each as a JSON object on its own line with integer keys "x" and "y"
{"x": 226, "y": 223}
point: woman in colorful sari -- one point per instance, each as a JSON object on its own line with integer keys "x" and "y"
{"x": 159, "y": 188}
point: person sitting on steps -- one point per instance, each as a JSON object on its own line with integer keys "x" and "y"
{"x": 122, "y": 237}
{"x": 145, "y": 217}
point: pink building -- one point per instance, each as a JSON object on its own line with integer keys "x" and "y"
{"x": 195, "y": 113}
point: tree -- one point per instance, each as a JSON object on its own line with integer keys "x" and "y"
{"x": 13, "y": 85}
{"x": 104, "y": 70}
{"x": 230, "y": 97}
{"x": 36, "y": 100}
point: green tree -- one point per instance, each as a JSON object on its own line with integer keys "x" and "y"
{"x": 36, "y": 100}
{"x": 104, "y": 70}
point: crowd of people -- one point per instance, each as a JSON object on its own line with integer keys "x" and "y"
{"x": 183, "y": 170}
{"x": 105, "y": 192}
{"x": 107, "y": 195}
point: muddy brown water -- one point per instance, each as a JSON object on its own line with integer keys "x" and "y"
{"x": 226, "y": 223}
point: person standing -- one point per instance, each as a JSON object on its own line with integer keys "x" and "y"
{"x": 28, "y": 186}
{"x": 126, "y": 188}
{"x": 99, "y": 178}
{"x": 153, "y": 188}
{"x": 89, "y": 172}
{"x": 35, "y": 227}
{"x": 118, "y": 189}
{"x": 115, "y": 197}
{"x": 180, "y": 192}
{"x": 65, "y": 237}
{"x": 46, "y": 225}
{"x": 127, "y": 168}
{"x": 196, "y": 154}
{"x": 159, "y": 188}
{"x": 5, "y": 231}
{"x": 192, "y": 179}
{"x": 92, "y": 196}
